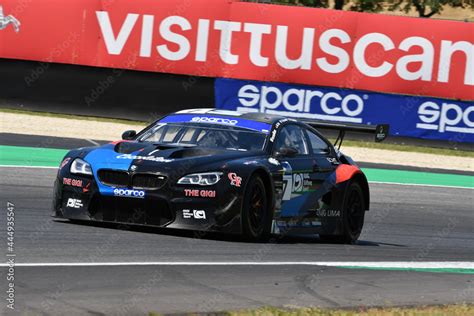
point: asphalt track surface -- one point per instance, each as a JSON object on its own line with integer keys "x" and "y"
{"x": 406, "y": 223}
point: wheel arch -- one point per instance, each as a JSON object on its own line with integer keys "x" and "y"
{"x": 268, "y": 182}
{"x": 361, "y": 179}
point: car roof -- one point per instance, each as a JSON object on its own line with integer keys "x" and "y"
{"x": 253, "y": 116}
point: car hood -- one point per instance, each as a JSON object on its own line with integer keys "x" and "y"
{"x": 147, "y": 157}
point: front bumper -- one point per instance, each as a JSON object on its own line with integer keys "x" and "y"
{"x": 170, "y": 206}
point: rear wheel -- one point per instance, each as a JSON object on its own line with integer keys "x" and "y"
{"x": 352, "y": 216}
{"x": 256, "y": 221}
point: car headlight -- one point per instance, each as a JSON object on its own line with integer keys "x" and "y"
{"x": 208, "y": 178}
{"x": 79, "y": 166}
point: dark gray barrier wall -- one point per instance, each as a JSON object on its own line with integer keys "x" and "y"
{"x": 116, "y": 93}
{"x": 102, "y": 92}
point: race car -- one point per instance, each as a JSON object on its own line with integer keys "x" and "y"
{"x": 253, "y": 174}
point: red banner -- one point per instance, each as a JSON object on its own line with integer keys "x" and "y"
{"x": 219, "y": 38}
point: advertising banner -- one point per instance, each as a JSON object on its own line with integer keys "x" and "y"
{"x": 421, "y": 117}
{"x": 220, "y": 38}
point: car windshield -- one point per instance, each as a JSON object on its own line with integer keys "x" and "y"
{"x": 205, "y": 135}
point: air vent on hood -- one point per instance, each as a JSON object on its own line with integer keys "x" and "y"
{"x": 128, "y": 147}
{"x": 191, "y": 152}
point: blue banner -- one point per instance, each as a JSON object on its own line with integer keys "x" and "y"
{"x": 412, "y": 116}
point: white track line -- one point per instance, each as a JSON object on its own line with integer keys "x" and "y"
{"x": 367, "y": 264}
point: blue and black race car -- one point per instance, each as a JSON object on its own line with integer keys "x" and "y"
{"x": 211, "y": 170}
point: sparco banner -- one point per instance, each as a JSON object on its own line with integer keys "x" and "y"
{"x": 247, "y": 41}
{"x": 421, "y": 117}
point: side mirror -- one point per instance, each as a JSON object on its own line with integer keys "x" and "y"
{"x": 287, "y": 152}
{"x": 128, "y": 135}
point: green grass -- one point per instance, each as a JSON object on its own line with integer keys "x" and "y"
{"x": 457, "y": 309}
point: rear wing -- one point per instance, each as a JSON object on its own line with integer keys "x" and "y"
{"x": 380, "y": 131}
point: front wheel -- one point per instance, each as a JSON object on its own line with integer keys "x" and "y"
{"x": 256, "y": 219}
{"x": 352, "y": 217}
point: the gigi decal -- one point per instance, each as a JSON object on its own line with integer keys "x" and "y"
{"x": 9, "y": 19}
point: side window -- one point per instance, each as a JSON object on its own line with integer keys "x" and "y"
{"x": 292, "y": 136}
{"x": 318, "y": 145}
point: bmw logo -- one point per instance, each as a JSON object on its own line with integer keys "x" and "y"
{"x": 133, "y": 168}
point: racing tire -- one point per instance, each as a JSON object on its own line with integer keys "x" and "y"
{"x": 352, "y": 216}
{"x": 256, "y": 219}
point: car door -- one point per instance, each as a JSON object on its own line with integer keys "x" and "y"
{"x": 292, "y": 149}
{"x": 324, "y": 164}
{"x": 324, "y": 161}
